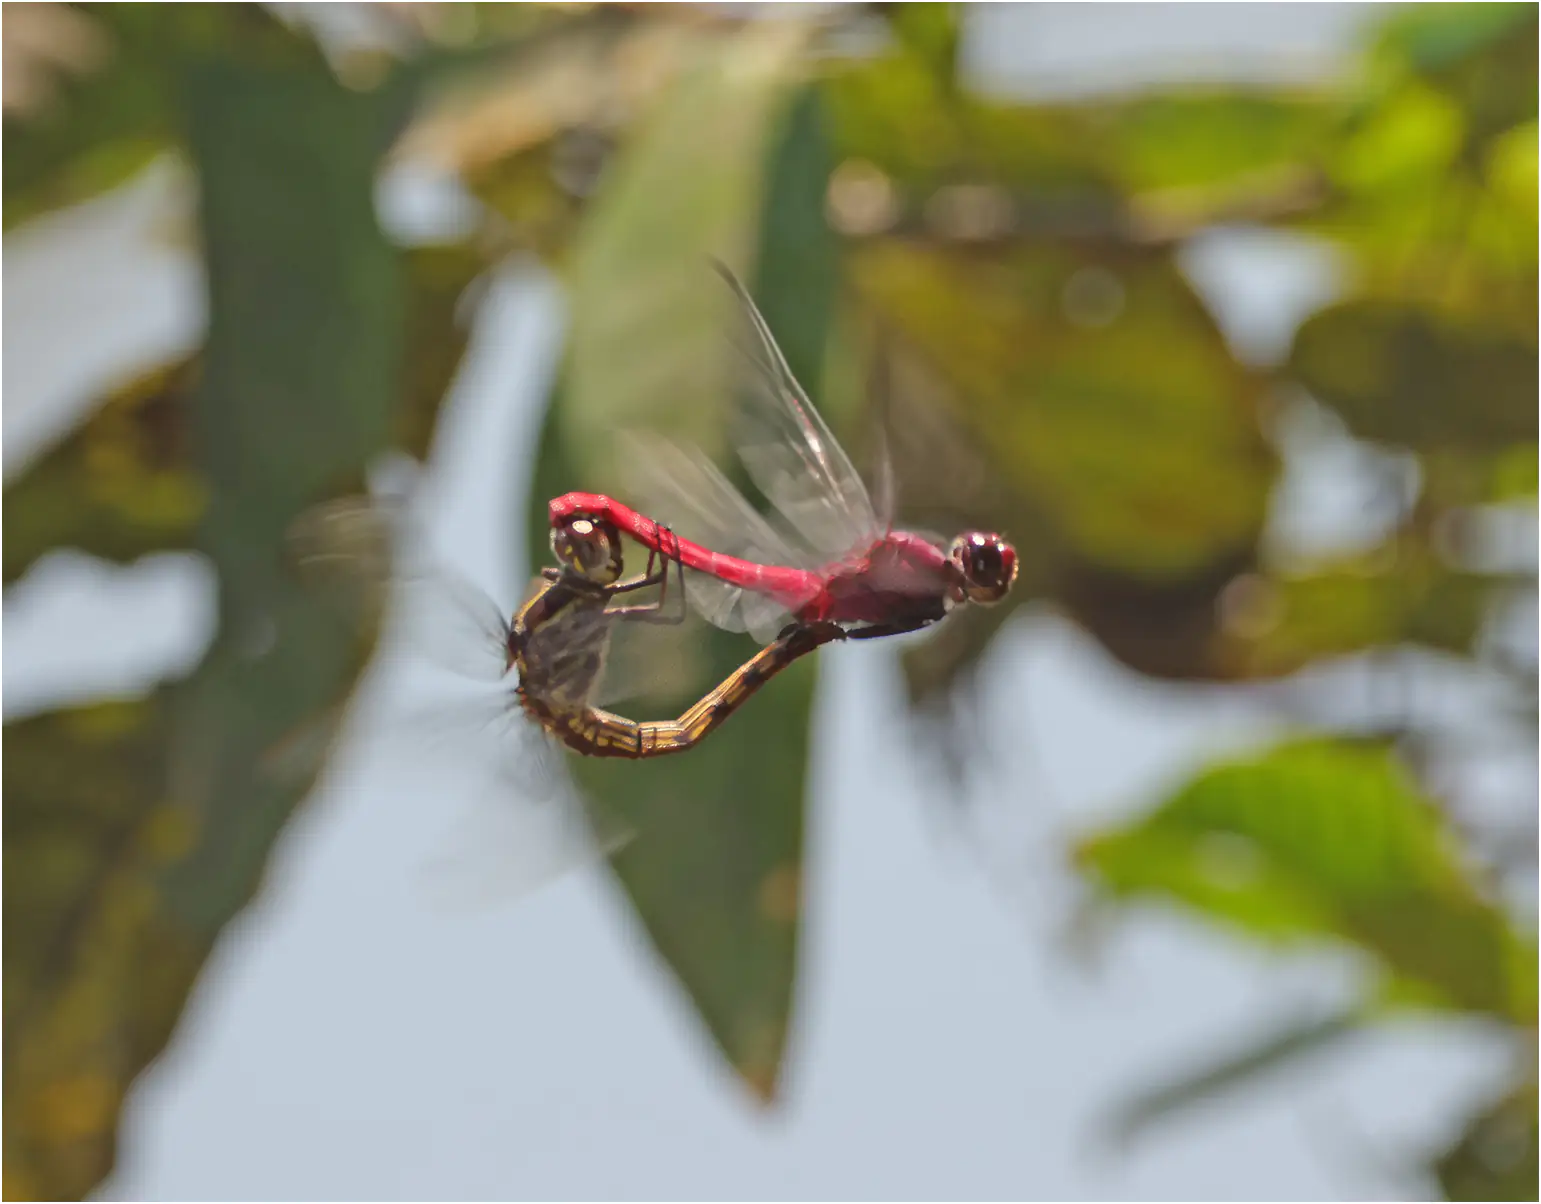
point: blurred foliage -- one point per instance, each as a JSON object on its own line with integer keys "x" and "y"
{"x": 1333, "y": 844}
{"x": 1328, "y": 841}
{"x": 1391, "y": 371}
{"x": 126, "y": 482}
{"x": 101, "y": 106}
{"x": 1495, "y": 1158}
{"x": 135, "y": 830}
{"x": 1000, "y": 285}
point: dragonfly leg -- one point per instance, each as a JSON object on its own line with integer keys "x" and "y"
{"x": 643, "y": 612}
{"x": 652, "y": 612}
{"x": 679, "y": 577}
{"x": 876, "y": 631}
{"x": 827, "y": 631}
{"x": 652, "y": 576}
{"x": 636, "y": 583}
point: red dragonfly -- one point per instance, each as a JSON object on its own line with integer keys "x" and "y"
{"x": 836, "y": 559}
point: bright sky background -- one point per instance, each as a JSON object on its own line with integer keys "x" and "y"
{"x": 353, "y": 1036}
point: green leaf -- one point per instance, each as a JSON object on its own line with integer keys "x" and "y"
{"x": 1435, "y": 195}
{"x": 896, "y": 113}
{"x": 1318, "y": 841}
{"x": 1407, "y": 142}
{"x": 688, "y": 187}
{"x": 930, "y": 33}
{"x": 1193, "y": 138}
{"x": 723, "y": 163}
{"x": 1274, "y": 1049}
{"x": 1514, "y": 476}
{"x": 1278, "y": 623}
{"x": 1398, "y": 374}
{"x": 1481, "y": 55}
{"x": 528, "y": 123}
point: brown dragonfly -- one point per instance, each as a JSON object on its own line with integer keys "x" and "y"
{"x": 557, "y": 642}
{"x": 557, "y": 647}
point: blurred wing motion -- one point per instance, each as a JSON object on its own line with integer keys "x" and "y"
{"x": 515, "y": 822}
{"x": 524, "y": 824}
{"x": 454, "y": 624}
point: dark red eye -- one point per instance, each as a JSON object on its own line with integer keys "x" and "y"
{"x": 988, "y": 564}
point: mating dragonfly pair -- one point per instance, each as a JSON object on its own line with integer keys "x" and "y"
{"x": 835, "y": 569}
{"x": 838, "y": 570}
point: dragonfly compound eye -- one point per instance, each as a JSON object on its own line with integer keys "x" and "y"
{"x": 988, "y": 565}
{"x": 591, "y": 547}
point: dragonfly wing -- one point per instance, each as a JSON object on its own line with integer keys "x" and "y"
{"x": 362, "y": 546}
{"x": 454, "y": 624}
{"x": 790, "y": 452}
{"x": 685, "y": 491}
{"x": 885, "y": 487}
{"x": 345, "y": 550}
{"x": 503, "y": 853}
{"x": 521, "y": 824}
{"x": 650, "y": 659}
{"x": 720, "y": 604}
{"x": 764, "y": 618}
{"x": 733, "y": 609}
{"x": 463, "y": 727}
{"x": 682, "y": 489}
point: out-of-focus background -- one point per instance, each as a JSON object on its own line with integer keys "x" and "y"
{"x": 1205, "y": 867}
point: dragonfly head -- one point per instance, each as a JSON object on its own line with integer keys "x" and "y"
{"x": 589, "y": 547}
{"x": 986, "y": 565}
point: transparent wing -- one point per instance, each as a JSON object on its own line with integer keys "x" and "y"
{"x": 680, "y": 488}
{"x": 501, "y": 848}
{"x": 650, "y": 660}
{"x": 363, "y": 550}
{"x": 454, "y": 624}
{"x": 885, "y": 487}
{"x": 345, "y": 550}
{"x": 521, "y": 823}
{"x": 763, "y": 618}
{"x": 517, "y": 823}
{"x": 788, "y": 449}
